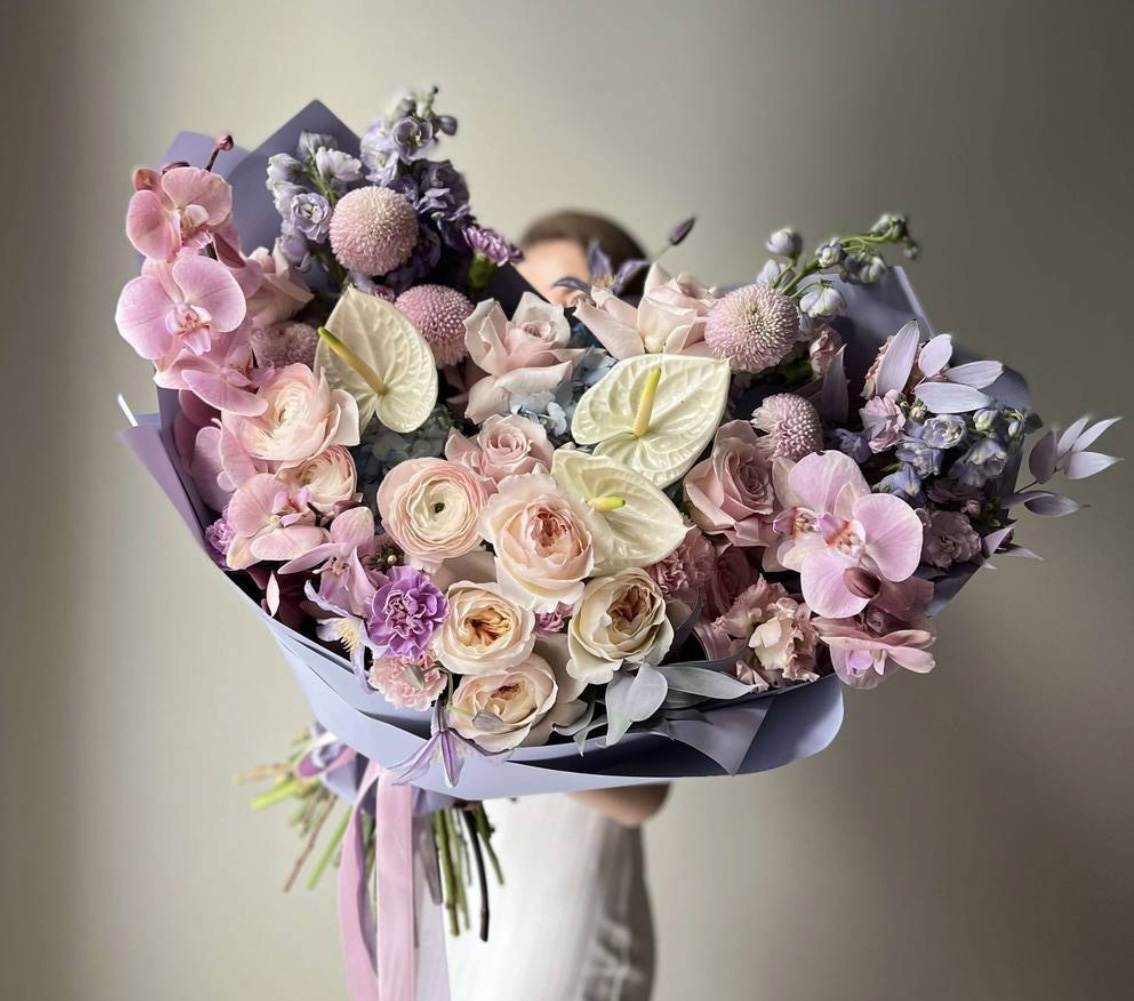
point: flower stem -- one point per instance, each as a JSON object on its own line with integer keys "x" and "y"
{"x": 329, "y": 851}
{"x": 481, "y": 876}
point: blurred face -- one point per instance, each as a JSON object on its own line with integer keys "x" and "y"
{"x": 546, "y": 262}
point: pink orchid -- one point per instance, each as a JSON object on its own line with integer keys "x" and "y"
{"x": 269, "y": 523}
{"x": 222, "y": 377}
{"x": 863, "y": 659}
{"x": 834, "y": 524}
{"x": 522, "y": 356}
{"x": 180, "y": 306}
{"x": 344, "y": 580}
{"x": 176, "y": 210}
{"x": 670, "y": 317}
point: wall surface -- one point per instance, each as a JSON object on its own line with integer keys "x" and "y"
{"x": 968, "y": 836}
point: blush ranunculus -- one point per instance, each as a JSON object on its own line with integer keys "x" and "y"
{"x": 544, "y": 549}
{"x": 620, "y": 618}
{"x": 504, "y": 446}
{"x": 522, "y": 356}
{"x": 330, "y": 479}
{"x": 731, "y": 492}
{"x": 303, "y": 416}
{"x": 430, "y": 507}
{"x": 485, "y": 630}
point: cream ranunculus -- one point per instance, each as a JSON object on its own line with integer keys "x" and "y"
{"x": 485, "y": 631}
{"x": 430, "y": 508}
{"x": 621, "y": 618}
{"x": 508, "y": 707}
{"x": 329, "y": 479}
{"x": 303, "y": 417}
{"x": 544, "y": 549}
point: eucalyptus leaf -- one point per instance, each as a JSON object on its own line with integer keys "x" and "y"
{"x": 1041, "y": 461}
{"x": 631, "y": 698}
{"x": 699, "y": 681}
{"x": 1051, "y": 505}
{"x": 1084, "y": 464}
{"x": 1091, "y": 435}
{"x": 950, "y": 397}
{"x": 1070, "y": 436}
{"x": 897, "y": 362}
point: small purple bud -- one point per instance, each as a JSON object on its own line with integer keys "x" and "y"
{"x": 681, "y": 231}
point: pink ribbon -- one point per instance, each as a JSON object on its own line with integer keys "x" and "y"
{"x": 382, "y": 955}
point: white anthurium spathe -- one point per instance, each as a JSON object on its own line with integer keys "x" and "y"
{"x": 654, "y": 413}
{"x": 632, "y": 522}
{"x": 376, "y": 354}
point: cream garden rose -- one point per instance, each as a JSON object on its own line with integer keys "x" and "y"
{"x": 621, "y": 618}
{"x": 507, "y": 707}
{"x": 303, "y": 417}
{"x": 430, "y": 508}
{"x": 485, "y": 631}
{"x": 544, "y": 549}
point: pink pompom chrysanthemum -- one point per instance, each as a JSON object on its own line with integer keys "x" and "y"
{"x": 439, "y": 313}
{"x": 373, "y": 230}
{"x": 792, "y": 425}
{"x": 754, "y": 327}
{"x": 284, "y": 344}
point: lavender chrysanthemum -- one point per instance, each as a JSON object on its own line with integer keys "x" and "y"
{"x": 439, "y": 313}
{"x": 793, "y": 426}
{"x": 373, "y": 231}
{"x": 492, "y": 245}
{"x": 754, "y": 327}
{"x": 404, "y": 613}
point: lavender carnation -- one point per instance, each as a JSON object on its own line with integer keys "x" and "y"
{"x": 404, "y": 613}
{"x": 949, "y": 539}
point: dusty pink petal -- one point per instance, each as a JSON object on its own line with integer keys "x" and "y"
{"x": 195, "y": 186}
{"x": 215, "y": 389}
{"x": 619, "y": 338}
{"x": 485, "y": 399}
{"x": 528, "y": 381}
{"x": 205, "y": 468}
{"x": 150, "y": 228}
{"x": 893, "y": 534}
{"x": 238, "y": 465}
{"x": 912, "y": 658}
{"x": 817, "y": 479}
{"x": 484, "y": 337}
{"x": 660, "y": 324}
{"x": 142, "y": 309}
{"x": 824, "y": 588}
{"x": 287, "y": 543}
{"x": 209, "y": 284}
{"x": 251, "y": 506}
{"x": 353, "y": 527}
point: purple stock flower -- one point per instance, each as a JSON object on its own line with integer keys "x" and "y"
{"x": 219, "y": 536}
{"x": 945, "y": 431}
{"x": 423, "y": 259}
{"x": 925, "y": 460}
{"x": 283, "y": 169}
{"x": 403, "y": 613}
{"x": 337, "y": 168}
{"x": 983, "y": 461}
{"x": 854, "y": 445}
{"x": 311, "y": 142}
{"x": 411, "y": 138}
{"x": 293, "y": 245}
{"x": 904, "y": 482}
{"x": 311, "y": 215}
{"x": 490, "y": 244}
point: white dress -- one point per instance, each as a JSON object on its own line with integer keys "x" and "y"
{"x": 572, "y": 921}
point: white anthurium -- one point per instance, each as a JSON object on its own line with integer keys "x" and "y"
{"x": 654, "y": 413}
{"x": 632, "y": 522}
{"x": 376, "y": 354}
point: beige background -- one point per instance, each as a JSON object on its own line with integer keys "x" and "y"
{"x": 969, "y": 835}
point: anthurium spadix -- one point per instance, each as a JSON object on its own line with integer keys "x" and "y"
{"x": 376, "y": 354}
{"x": 632, "y": 522}
{"x": 654, "y": 413}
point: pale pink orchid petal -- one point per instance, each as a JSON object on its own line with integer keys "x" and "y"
{"x": 194, "y": 186}
{"x": 353, "y": 527}
{"x": 209, "y": 284}
{"x": 251, "y": 507}
{"x": 287, "y": 543}
{"x": 150, "y": 228}
{"x": 205, "y": 468}
{"x": 816, "y": 480}
{"x": 141, "y": 316}
{"x": 904, "y": 648}
{"x": 893, "y": 534}
{"x": 824, "y": 585}
{"x": 218, "y": 391}
{"x": 238, "y": 465}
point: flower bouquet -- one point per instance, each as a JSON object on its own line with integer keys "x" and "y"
{"x": 507, "y": 547}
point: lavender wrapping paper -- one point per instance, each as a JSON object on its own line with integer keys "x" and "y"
{"x": 750, "y": 735}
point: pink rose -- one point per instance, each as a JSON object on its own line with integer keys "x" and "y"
{"x": 282, "y": 291}
{"x": 731, "y": 492}
{"x": 303, "y": 416}
{"x": 430, "y": 508}
{"x": 505, "y": 446}
{"x": 543, "y": 548}
{"x": 732, "y": 576}
{"x": 522, "y": 356}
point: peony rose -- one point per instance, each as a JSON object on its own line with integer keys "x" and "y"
{"x": 505, "y": 446}
{"x": 485, "y": 631}
{"x": 430, "y": 508}
{"x": 522, "y": 356}
{"x": 621, "y": 618}
{"x": 282, "y": 291}
{"x": 518, "y": 705}
{"x": 329, "y": 479}
{"x": 543, "y": 547}
{"x": 731, "y": 492}
{"x": 304, "y": 416}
